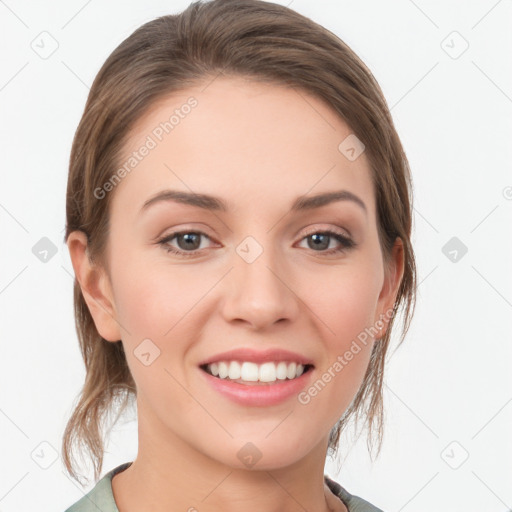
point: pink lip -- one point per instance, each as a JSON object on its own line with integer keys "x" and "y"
{"x": 259, "y": 395}
{"x": 258, "y": 356}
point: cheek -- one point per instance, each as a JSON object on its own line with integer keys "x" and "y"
{"x": 346, "y": 303}
{"x": 157, "y": 309}
{"x": 345, "y": 312}
{"x": 161, "y": 304}
{"x": 151, "y": 300}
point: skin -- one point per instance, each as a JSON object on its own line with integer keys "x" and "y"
{"x": 258, "y": 147}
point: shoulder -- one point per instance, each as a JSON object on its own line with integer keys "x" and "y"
{"x": 352, "y": 502}
{"x": 100, "y": 497}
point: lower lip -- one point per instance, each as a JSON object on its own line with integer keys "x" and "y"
{"x": 259, "y": 395}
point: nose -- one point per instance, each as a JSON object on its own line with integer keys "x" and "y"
{"x": 260, "y": 293}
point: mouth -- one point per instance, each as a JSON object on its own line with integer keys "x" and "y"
{"x": 252, "y": 374}
{"x": 265, "y": 384}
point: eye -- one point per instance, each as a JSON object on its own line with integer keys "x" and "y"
{"x": 320, "y": 240}
{"x": 188, "y": 241}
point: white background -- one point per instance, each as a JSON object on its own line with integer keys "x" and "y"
{"x": 448, "y": 392}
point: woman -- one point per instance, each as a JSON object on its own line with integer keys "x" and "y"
{"x": 239, "y": 220}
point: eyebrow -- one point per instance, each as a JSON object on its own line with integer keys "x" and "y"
{"x": 213, "y": 203}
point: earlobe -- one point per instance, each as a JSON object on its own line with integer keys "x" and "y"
{"x": 389, "y": 292}
{"x": 95, "y": 285}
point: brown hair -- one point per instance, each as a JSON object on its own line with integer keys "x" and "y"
{"x": 250, "y": 38}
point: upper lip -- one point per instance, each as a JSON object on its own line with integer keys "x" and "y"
{"x": 258, "y": 356}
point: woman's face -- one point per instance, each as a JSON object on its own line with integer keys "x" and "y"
{"x": 256, "y": 270}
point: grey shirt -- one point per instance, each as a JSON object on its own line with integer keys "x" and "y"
{"x": 101, "y": 496}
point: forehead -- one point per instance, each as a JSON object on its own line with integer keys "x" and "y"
{"x": 246, "y": 141}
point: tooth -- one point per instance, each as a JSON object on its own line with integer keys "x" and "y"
{"x": 249, "y": 372}
{"x": 267, "y": 372}
{"x": 252, "y": 372}
{"x": 214, "y": 368}
{"x": 292, "y": 370}
{"x": 281, "y": 370}
{"x": 223, "y": 370}
{"x": 234, "y": 370}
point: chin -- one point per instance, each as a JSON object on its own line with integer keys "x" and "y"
{"x": 260, "y": 454}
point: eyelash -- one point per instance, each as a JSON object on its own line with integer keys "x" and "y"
{"x": 346, "y": 242}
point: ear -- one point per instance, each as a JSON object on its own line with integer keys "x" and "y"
{"x": 96, "y": 288}
{"x": 392, "y": 278}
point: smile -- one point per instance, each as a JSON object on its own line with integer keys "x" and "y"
{"x": 249, "y": 372}
{"x": 257, "y": 393}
